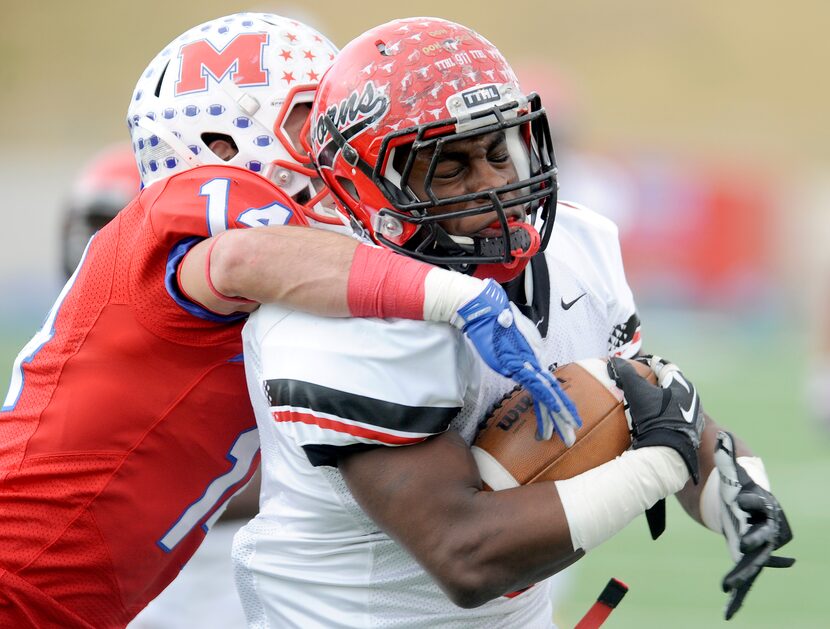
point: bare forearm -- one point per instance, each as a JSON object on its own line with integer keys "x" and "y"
{"x": 477, "y": 545}
{"x": 299, "y": 267}
{"x": 536, "y": 517}
{"x": 296, "y": 266}
{"x": 319, "y": 272}
{"x": 689, "y": 496}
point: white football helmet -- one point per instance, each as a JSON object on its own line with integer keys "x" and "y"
{"x": 236, "y": 78}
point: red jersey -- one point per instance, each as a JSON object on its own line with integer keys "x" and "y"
{"x": 127, "y": 426}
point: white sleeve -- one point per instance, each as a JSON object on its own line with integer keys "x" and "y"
{"x": 595, "y": 243}
{"x": 335, "y": 384}
{"x": 625, "y": 338}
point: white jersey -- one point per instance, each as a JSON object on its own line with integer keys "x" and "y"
{"x": 321, "y": 387}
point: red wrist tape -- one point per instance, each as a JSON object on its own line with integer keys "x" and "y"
{"x": 386, "y": 285}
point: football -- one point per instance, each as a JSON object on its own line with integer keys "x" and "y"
{"x": 506, "y": 449}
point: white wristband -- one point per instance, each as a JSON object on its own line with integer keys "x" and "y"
{"x": 710, "y": 502}
{"x": 445, "y": 292}
{"x": 601, "y": 502}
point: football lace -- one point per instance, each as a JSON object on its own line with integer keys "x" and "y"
{"x": 498, "y": 404}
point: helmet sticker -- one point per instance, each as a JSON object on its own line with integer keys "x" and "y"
{"x": 351, "y": 116}
{"x": 481, "y": 95}
{"x": 241, "y": 59}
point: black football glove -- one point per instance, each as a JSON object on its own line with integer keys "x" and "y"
{"x": 753, "y": 523}
{"x": 666, "y": 415}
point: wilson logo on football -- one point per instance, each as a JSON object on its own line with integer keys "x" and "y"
{"x": 351, "y": 116}
{"x": 524, "y": 404}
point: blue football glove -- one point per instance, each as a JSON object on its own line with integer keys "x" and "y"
{"x": 491, "y": 324}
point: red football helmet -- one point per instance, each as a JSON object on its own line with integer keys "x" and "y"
{"x": 415, "y": 86}
{"x": 105, "y": 185}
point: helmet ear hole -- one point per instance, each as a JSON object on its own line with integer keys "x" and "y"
{"x": 221, "y": 145}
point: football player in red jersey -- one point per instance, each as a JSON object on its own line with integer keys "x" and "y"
{"x": 127, "y": 425}
{"x": 203, "y": 593}
{"x": 422, "y": 132}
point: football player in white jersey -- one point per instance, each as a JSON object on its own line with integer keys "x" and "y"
{"x": 421, "y": 131}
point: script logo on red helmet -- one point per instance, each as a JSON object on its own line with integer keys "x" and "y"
{"x": 351, "y": 116}
{"x": 241, "y": 58}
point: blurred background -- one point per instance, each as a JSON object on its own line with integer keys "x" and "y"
{"x": 699, "y": 127}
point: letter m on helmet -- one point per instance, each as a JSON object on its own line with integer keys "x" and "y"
{"x": 241, "y": 59}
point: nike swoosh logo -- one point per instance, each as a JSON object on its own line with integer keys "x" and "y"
{"x": 674, "y": 376}
{"x": 567, "y": 305}
{"x": 688, "y": 413}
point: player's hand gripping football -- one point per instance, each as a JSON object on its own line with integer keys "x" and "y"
{"x": 753, "y": 522}
{"x": 492, "y": 324}
{"x": 665, "y": 415}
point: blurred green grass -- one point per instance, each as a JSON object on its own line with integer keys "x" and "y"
{"x": 749, "y": 378}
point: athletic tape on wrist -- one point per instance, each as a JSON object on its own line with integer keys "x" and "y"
{"x": 710, "y": 502}
{"x": 599, "y": 503}
{"x": 386, "y": 285}
{"x": 446, "y": 292}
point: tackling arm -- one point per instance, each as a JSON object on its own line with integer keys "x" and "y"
{"x": 333, "y": 275}
{"x": 241, "y": 268}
